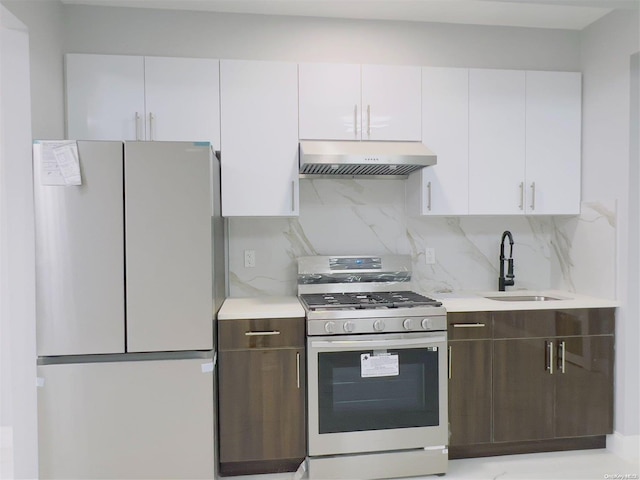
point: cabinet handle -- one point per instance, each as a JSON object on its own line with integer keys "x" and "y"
{"x": 550, "y": 362}
{"x": 468, "y": 325}
{"x": 151, "y": 118}
{"x": 263, "y": 334}
{"x": 355, "y": 121}
{"x": 298, "y": 368}
{"x": 429, "y": 196}
{"x": 293, "y": 195}
{"x": 521, "y": 196}
{"x": 561, "y": 356}
{"x": 137, "y": 126}
{"x": 449, "y": 362}
{"x": 533, "y": 195}
{"x": 369, "y": 121}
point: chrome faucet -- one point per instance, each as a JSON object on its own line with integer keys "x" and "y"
{"x": 509, "y": 280}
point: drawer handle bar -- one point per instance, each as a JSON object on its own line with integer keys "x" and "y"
{"x": 468, "y": 325}
{"x": 257, "y": 334}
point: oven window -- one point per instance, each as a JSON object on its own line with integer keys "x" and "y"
{"x": 350, "y": 402}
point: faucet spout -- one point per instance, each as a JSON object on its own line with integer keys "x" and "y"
{"x": 508, "y": 279}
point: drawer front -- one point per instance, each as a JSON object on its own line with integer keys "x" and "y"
{"x": 524, "y": 324}
{"x": 260, "y": 333}
{"x": 585, "y": 321}
{"x": 469, "y": 325}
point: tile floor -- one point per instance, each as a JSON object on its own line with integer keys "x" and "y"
{"x": 576, "y": 465}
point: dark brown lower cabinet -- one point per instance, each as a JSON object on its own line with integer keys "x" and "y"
{"x": 550, "y": 377}
{"x": 261, "y": 403}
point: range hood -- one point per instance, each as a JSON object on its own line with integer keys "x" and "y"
{"x": 368, "y": 159}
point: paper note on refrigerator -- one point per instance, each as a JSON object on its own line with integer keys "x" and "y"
{"x": 59, "y": 162}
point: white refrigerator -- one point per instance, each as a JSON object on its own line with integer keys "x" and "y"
{"x": 130, "y": 276}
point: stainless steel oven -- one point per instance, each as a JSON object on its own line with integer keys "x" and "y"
{"x": 377, "y": 370}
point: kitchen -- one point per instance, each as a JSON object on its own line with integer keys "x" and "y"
{"x": 466, "y": 248}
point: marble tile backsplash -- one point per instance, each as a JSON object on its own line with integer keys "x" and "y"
{"x": 368, "y": 217}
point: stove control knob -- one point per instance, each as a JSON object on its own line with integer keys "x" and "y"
{"x": 349, "y": 326}
{"x": 426, "y": 324}
{"x": 330, "y": 327}
{"x": 378, "y": 325}
{"x": 407, "y": 324}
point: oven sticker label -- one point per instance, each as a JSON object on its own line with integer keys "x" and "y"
{"x": 379, "y": 365}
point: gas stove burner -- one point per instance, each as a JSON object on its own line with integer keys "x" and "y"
{"x": 366, "y": 300}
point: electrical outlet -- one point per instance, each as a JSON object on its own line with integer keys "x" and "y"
{"x": 430, "y": 256}
{"x": 249, "y": 258}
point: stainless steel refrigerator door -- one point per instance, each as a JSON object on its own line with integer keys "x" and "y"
{"x": 80, "y": 256}
{"x": 168, "y": 213}
{"x": 126, "y": 420}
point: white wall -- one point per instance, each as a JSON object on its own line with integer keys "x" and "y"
{"x": 17, "y": 279}
{"x": 607, "y": 46}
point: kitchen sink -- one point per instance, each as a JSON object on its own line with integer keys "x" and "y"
{"x": 524, "y": 298}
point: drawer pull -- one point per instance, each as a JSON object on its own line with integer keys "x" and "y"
{"x": 468, "y": 325}
{"x": 258, "y": 334}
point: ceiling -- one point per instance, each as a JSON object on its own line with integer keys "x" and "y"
{"x": 564, "y": 14}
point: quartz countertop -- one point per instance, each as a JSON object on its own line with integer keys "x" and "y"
{"x": 476, "y": 301}
{"x": 260, "y": 307}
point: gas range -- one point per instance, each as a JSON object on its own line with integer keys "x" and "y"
{"x": 355, "y": 294}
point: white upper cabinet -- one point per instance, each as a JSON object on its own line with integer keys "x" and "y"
{"x": 329, "y": 101}
{"x": 119, "y": 97}
{"x": 496, "y": 141}
{"x": 353, "y": 102}
{"x": 391, "y": 103}
{"x": 443, "y": 189}
{"x": 553, "y": 116}
{"x": 105, "y": 97}
{"x": 182, "y": 99}
{"x": 259, "y": 123}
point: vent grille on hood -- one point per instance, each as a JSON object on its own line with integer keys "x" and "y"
{"x": 363, "y": 159}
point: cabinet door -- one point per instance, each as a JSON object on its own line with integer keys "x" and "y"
{"x": 259, "y": 120}
{"x": 496, "y": 141}
{"x": 391, "y": 103}
{"x": 133, "y": 419}
{"x": 523, "y": 390}
{"x": 261, "y": 405}
{"x": 584, "y": 386}
{"x": 105, "y": 97}
{"x": 443, "y": 189}
{"x": 553, "y": 119}
{"x": 470, "y": 392}
{"x": 329, "y": 101}
{"x": 168, "y": 246}
{"x": 182, "y": 98}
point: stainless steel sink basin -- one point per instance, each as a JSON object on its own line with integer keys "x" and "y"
{"x": 524, "y": 298}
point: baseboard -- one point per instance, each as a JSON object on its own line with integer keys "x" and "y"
{"x": 625, "y": 446}
{"x": 6, "y": 437}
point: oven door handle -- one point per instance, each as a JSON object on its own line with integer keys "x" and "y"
{"x": 407, "y": 342}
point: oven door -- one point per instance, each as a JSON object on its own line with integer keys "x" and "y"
{"x": 380, "y": 392}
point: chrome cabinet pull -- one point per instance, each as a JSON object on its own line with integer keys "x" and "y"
{"x": 151, "y": 118}
{"x": 369, "y": 121}
{"x": 468, "y": 325}
{"x": 429, "y": 196}
{"x": 562, "y": 355}
{"x": 298, "y": 368}
{"x": 355, "y": 121}
{"x": 262, "y": 334}
{"x": 137, "y": 126}
{"x": 449, "y": 362}
{"x": 521, "y": 196}
{"x": 550, "y": 364}
{"x": 293, "y": 195}
{"x": 533, "y": 195}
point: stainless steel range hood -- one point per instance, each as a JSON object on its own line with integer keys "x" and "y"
{"x": 329, "y": 159}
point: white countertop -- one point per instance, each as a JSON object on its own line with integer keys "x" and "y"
{"x": 260, "y": 307}
{"x": 476, "y": 301}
